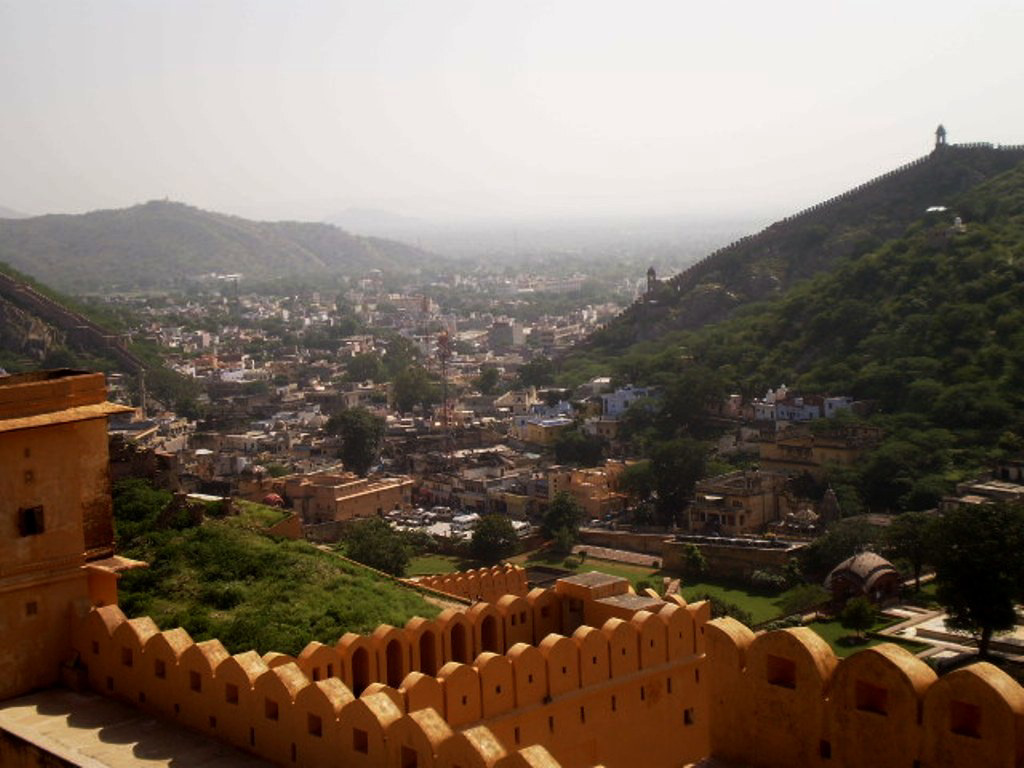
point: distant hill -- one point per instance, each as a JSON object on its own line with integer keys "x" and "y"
{"x": 10, "y": 213}
{"x": 163, "y": 244}
{"x": 815, "y": 240}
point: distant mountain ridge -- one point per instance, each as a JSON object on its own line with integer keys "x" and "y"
{"x": 766, "y": 264}
{"x": 162, "y": 244}
{"x": 10, "y": 213}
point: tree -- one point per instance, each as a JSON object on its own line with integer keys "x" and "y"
{"x": 361, "y": 433}
{"x": 978, "y": 568}
{"x": 637, "y": 481}
{"x": 694, "y": 563}
{"x": 562, "y": 521}
{"x": 676, "y": 465}
{"x": 538, "y": 372}
{"x": 911, "y": 536}
{"x": 493, "y": 539}
{"x": 576, "y": 447}
{"x": 687, "y": 398}
{"x": 414, "y": 386}
{"x": 858, "y": 615}
{"x": 488, "y": 381}
{"x": 373, "y": 542}
{"x": 365, "y": 367}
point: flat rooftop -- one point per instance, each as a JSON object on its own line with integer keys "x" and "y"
{"x": 633, "y": 602}
{"x": 592, "y": 579}
{"x": 87, "y": 730}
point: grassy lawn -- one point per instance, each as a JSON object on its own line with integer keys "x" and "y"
{"x": 760, "y": 607}
{"x": 844, "y": 642}
{"x": 572, "y": 563}
{"x": 257, "y": 516}
{"x": 428, "y": 564}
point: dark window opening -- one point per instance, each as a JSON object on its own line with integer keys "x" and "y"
{"x": 126, "y": 657}
{"x": 871, "y": 698}
{"x": 688, "y": 716}
{"x": 31, "y": 608}
{"x": 160, "y": 669}
{"x": 231, "y": 693}
{"x": 360, "y": 741}
{"x": 825, "y": 750}
{"x": 314, "y": 725}
{"x": 780, "y": 671}
{"x": 195, "y": 682}
{"x": 409, "y": 758}
{"x": 965, "y": 719}
{"x": 270, "y": 709}
{"x": 30, "y": 521}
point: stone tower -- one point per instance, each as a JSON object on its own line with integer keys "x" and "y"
{"x": 940, "y": 136}
{"x": 652, "y": 279}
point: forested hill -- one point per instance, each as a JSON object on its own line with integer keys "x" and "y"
{"x": 162, "y": 244}
{"x": 800, "y": 246}
{"x": 930, "y": 326}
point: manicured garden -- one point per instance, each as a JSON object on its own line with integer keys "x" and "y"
{"x": 845, "y": 642}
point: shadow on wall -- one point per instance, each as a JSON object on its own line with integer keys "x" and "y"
{"x": 785, "y": 695}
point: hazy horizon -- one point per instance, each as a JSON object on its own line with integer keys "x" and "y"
{"x": 451, "y": 112}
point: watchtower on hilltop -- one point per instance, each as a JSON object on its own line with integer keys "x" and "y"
{"x": 940, "y": 136}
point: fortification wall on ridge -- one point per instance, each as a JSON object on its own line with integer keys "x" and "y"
{"x": 691, "y": 277}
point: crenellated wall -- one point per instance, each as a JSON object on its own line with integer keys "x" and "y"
{"x": 669, "y": 685}
{"x": 784, "y": 699}
{"x": 487, "y": 584}
{"x": 601, "y": 695}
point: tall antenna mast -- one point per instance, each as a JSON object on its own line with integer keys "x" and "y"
{"x": 444, "y": 353}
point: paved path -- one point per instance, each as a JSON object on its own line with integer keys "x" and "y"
{"x": 83, "y": 729}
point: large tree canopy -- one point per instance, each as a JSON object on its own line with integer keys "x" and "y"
{"x": 978, "y": 568}
{"x": 676, "y": 465}
{"x": 372, "y": 542}
{"x": 361, "y": 433}
{"x": 493, "y": 539}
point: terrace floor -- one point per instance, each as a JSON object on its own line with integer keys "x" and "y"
{"x": 83, "y": 729}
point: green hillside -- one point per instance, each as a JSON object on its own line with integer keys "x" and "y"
{"x": 163, "y": 244}
{"x": 930, "y": 326}
{"x": 767, "y": 264}
{"x": 224, "y": 579}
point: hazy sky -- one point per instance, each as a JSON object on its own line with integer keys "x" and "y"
{"x": 434, "y": 108}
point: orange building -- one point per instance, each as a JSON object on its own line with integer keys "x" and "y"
{"x": 322, "y": 497}
{"x": 55, "y": 496}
